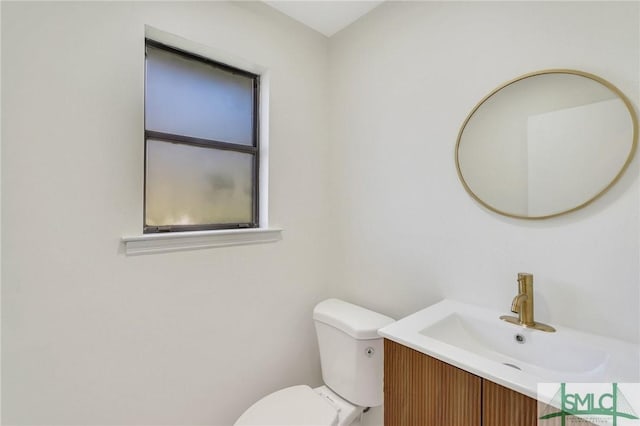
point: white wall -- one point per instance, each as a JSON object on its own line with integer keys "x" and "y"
{"x": 91, "y": 336}
{"x": 403, "y": 79}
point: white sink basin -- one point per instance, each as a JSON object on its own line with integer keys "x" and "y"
{"x": 476, "y": 340}
{"x": 524, "y": 349}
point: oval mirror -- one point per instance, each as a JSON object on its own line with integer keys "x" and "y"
{"x": 546, "y": 143}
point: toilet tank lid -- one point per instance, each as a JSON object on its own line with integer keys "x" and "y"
{"x": 356, "y": 321}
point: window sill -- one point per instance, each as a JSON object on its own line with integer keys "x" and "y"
{"x": 176, "y": 241}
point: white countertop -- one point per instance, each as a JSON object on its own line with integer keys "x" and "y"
{"x": 476, "y": 340}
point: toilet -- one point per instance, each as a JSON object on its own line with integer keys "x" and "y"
{"x": 351, "y": 360}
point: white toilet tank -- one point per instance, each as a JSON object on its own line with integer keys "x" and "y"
{"x": 351, "y": 350}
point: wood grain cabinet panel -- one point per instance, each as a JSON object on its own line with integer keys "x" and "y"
{"x": 422, "y": 391}
{"x": 503, "y": 407}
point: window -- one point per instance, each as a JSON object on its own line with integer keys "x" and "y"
{"x": 201, "y": 143}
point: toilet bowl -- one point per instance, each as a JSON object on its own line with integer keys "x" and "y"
{"x": 301, "y": 406}
{"x": 351, "y": 362}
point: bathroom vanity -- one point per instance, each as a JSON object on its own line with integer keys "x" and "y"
{"x": 422, "y": 390}
{"x": 456, "y": 364}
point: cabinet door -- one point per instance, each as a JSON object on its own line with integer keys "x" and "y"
{"x": 504, "y": 407}
{"x": 422, "y": 391}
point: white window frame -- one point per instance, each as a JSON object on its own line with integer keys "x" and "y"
{"x": 174, "y": 241}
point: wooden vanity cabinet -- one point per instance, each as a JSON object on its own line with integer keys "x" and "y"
{"x": 504, "y": 407}
{"x": 420, "y": 390}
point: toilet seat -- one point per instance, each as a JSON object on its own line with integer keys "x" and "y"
{"x": 293, "y": 406}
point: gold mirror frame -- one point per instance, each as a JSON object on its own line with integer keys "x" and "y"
{"x": 593, "y": 77}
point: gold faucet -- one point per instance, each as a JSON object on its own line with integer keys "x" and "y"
{"x": 523, "y": 305}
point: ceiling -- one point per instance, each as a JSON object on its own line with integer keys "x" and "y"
{"x": 327, "y": 17}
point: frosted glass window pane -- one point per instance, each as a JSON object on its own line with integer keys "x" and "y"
{"x": 191, "y": 185}
{"x": 191, "y": 98}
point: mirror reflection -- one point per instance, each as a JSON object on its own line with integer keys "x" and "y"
{"x": 546, "y": 143}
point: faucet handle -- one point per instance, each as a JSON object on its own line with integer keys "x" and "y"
{"x": 525, "y": 280}
{"x": 524, "y": 276}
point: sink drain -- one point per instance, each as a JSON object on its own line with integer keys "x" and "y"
{"x": 512, "y": 366}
